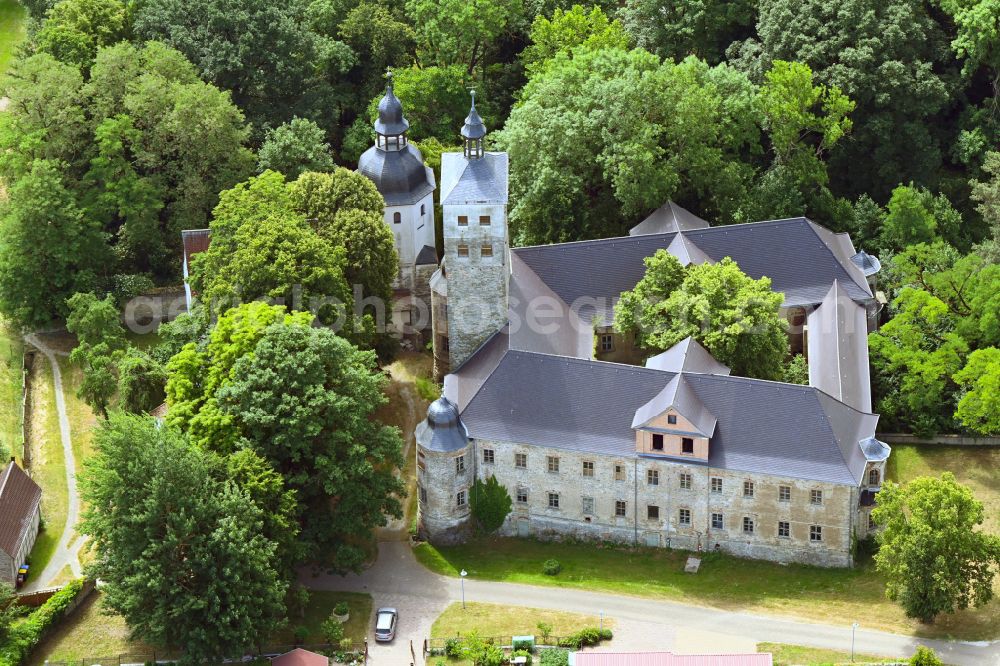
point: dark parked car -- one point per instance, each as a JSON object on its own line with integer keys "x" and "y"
{"x": 385, "y": 624}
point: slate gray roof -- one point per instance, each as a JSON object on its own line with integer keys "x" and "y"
{"x": 476, "y": 181}
{"x": 679, "y": 396}
{"x": 399, "y": 175}
{"x": 474, "y": 128}
{"x": 442, "y": 430}
{"x": 798, "y": 256}
{"x": 390, "y": 114}
{"x": 687, "y": 356}
{"x": 763, "y": 427}
{"x": 868, "y": 264}
{"x": 875, "y": 450}
{"x": 668, "y": 218}
{"x": 427, "y": 255}
{"x": 20, "y": 498}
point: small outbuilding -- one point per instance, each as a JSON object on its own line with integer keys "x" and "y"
{"x": 20, "y": 515}
{"x": 300, "y": 657}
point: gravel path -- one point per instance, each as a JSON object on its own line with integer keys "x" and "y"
{"x": 398, "y": 580}
{"x": 68, "y": 549}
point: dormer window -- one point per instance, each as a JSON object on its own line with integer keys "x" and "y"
{"x": 657, "y": 442}
{"x": 687, "y": 445}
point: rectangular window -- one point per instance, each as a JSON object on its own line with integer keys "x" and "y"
{"x": 607, "y": 342}
{"x": 463, "y": 250}
{"x": 619, "y": 472}
{"x": 816, "y": 496}
{"x": 463, "y": 220}
{"x": 684, "y": 517}
{"x": 784, "y": 530}
{"x": 784, "y": 493}
{"x": 460, "y": 498}
{"x": 459, "y": 464}
{"x": 747, "y": 525}
{"x": 486, "y": 250}
{"x": 652, "y": 477}
{"x": 588, "y": 468}
{"x": 484, "y": 220}
{"x": 521, "y": 460}
{"x": 423, "y": 495}
{"x": 652, "y": 512}
{"x": 553, "y": 463}
{"x": 488, "y": 456}
{"x": 619, "y": 508}
{"x": 687, "y": 445}
{"x": 748, "y": 489}
{"x": 685, "y": 481}
{"x": 553, "y": 500}
{"x": 716, "y": 485}
{"x": 716, "y": 521}
{"x": 815, "y": 533}
{"x": 672, "y": 419}
{"x": 588, "y": 506}
{"x": 421, "y": 463}
{"x": 657, "y": 442}
{"x": 522, "y": 495}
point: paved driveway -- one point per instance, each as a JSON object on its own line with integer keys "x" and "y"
{"x": 397, "y": 579}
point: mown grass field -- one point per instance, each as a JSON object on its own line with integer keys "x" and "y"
{"x": 799, "y": 655}
{"x": 497, "y": 620}
{"x": 12, "y": 17}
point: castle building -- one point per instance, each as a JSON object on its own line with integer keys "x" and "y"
{"x": 397, "y": 169}
{"x": 540, "y": 393}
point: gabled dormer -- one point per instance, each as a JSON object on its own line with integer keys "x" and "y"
{"x": 674, "y": 423}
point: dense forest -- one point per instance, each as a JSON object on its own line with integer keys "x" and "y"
{"x": 881, "y": 119}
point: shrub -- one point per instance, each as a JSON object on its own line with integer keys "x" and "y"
{"x": 524, "y": 644}
{"x": 346, "y": 644}
{"x": 28, "y": 634}
{"x": 522, "y": 653}
{"x": 924, "y": 656}
{"x": 545, "y": 629}
{"x": 552, "y": 567}
{"x": 333, "y": 630}
{"x": 587, "y": 636}
{"x": 427, "y": 389}
{"x": 490, "y": 504}
{"x": 606, "y": 634}
{"x": 341, "y": 608}
{"x": 453, "y": 648}
{"x": 553, "y": 658}
{"x": 301, "y": 634}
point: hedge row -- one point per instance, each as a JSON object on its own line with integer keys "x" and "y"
{"x": 27, "y": 634}
{"x": 585, "y": 637}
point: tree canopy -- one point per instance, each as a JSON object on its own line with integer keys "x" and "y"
{"x": 934, "y": 558}
{"x": 732, "y": 315}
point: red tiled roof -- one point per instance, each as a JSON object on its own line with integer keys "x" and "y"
{"x": 669, "y": 659}
{"x": 300, "y": 657}
{"x": 19, "y": 500}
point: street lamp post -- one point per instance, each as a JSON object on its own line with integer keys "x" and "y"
{"x": 602, "y": 620}
{"x": 854, "y": 627}
{"x": 463, "y": 574}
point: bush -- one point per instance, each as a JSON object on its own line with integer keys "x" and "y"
{"x": 545, "y": 629}
{"x": 27, "y": 635}
{"x": 606, "y": 634}
{"x": 301, "y": 634}
{"x": 552, "y": 567}
{"x": 346, "y": 644}
{"x": 525, "y": 644}
{"x": 553, "y": 658}
{"x": 333, "y": 630}
{"x": 453, "y": 648}
{"x": 427, "y": 389}
{"x": 341, "y": 608}
{"x": 522, "y": 653}
{"x": 586, "y": 637}
{"x": 924, "y": 656}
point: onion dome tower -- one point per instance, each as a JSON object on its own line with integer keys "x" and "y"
{"x": 445, "y": 473}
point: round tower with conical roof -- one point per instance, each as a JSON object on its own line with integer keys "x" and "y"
{"x": 445, "y": 474}
{"x": 397, "y": 168}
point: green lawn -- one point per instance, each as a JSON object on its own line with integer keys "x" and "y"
{"x": 89, "y": 634}
{"x": 799, "y": 655}
{"x": 11, "y": 350}
{"x": 48, "y": 465}
{"x": 12, "y": 16}
{"x": 490, "y": 620}
{"x": 833, "y": 596}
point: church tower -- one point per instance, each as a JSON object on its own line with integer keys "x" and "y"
{"x": 476, "y": 266}
{"x": 407, "y": 185}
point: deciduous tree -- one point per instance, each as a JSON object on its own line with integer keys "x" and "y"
{"x": 569, "y": 29}
{"x": 678, "y": 28}
{"x": 295, "y": 147}
{"x": 101, "y": 343}
{"x": 490, "y": 504}
{"x": 75, "y": 29}
{"x": 979, "y": 406}
{"x": 934, "y": 558}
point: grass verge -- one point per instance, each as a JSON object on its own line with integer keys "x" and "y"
{"x": 48, "y": 465}
{"x": 321, "y": 607}
{"x": 831, "y": 596}
{"x": 490, "y": 620}
{"x": 800, "y": 655}
{"x": 11, "y": 350}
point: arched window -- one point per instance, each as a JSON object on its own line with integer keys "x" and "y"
{"x": 397, "y": 218}
{"x": 422, "y": 209}
{"x": 873, "y": 477}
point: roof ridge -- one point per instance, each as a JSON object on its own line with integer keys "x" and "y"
{"x": 6, "y": 477}
{"x": 812, "y": 227}
{"x": 596, "y": 241}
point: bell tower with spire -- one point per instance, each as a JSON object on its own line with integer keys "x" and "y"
{"x": 476, "y": 266}
{"x": 407, "y": 185}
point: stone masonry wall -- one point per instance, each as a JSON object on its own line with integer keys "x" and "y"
{"x": 833, "y": 515}
{"x": 441, "y": 518}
